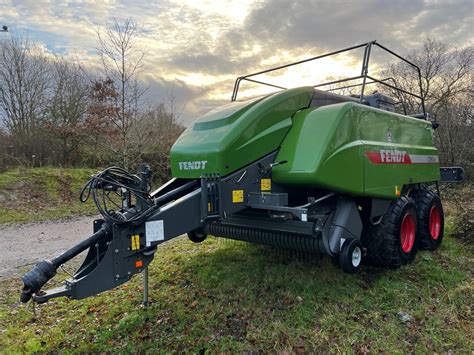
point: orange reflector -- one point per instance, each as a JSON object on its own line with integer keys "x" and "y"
{"x": 397, "y": 191}
{"x": 139, "y": 263}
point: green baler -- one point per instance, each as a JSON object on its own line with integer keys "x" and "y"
{"x": 347, "y": 176}
{"x": 320, "y": 144}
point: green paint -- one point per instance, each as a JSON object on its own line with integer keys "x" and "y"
{"x": 327, "y": 148}
{"x": 238, "y": 134}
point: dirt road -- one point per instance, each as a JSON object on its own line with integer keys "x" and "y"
{"x": 26, "y": 244}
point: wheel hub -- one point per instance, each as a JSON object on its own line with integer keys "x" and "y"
{"x": 356, "y": 256}
{"x": 435, "y": 222}
{"x": 407, "y": 233}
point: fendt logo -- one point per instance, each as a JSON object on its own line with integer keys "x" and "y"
{"x": 389, "y": 156}
{"x": 393, "y": 156}
{"x": 192, "y": 165}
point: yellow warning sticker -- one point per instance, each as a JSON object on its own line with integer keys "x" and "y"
{"x": 265, "y": 184}
{"x": 135, "y": 242}
{"x": 237, "y": 196}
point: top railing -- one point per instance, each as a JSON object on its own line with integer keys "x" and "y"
{"x": 364, "y": 74}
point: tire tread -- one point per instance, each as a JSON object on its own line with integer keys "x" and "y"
{"x": 382, "y": 240}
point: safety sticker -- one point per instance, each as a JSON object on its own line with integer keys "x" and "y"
{"x": 135, "y": 242}
{"x": 237, "y": 196}
{"x": 154, "y": 231}
{"x": 265, "y": 184}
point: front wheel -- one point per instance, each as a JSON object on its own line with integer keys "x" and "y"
{"x": 196, "y": 236}
{"x": 350, "y": 257}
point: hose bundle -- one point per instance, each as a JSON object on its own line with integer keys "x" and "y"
{"x": 118, "y": 182}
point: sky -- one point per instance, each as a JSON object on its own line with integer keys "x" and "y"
{"x": 196, "y": 49}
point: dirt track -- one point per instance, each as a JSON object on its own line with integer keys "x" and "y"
{"x": 26, "y": 244}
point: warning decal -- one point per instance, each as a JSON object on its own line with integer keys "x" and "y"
{"x": 237, "y": 196}
{"x": 265, "y": 184}
{"x": 135, "y": 242}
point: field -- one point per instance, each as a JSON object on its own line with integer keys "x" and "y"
{"x": 222, "y": 296}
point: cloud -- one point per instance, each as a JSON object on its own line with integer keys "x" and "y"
{"x": 195, "y": 49}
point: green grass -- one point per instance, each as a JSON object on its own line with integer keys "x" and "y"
{"x": 222, "y": 296}
{"x": 37, "y": 194}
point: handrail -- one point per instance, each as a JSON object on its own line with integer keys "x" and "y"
{"x": 364, "y": 73}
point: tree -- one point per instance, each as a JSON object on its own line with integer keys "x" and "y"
{"x": 23, "y": 92}
{"x": 154, "y": 134}
{"x": 121, "y": 61}
{"x": 66, "y": 110}
{"x": 447, "y": 89}
{"x": 100, "y": 132}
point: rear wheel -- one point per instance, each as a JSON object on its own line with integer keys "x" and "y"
{"x": 393, "y": 241}
{"x": 350, "y": 257}
{"x": 430, "y": 219}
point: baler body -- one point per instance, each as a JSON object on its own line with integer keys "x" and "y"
{"x": 358, "y": 150}
{"x": 346, "y": 147}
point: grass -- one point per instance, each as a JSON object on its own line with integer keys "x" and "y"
{"x": 222, "y": 296}
{"x": 29, "y": 195}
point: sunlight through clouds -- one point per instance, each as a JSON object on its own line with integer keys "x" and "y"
{"x": 196, "y": 49}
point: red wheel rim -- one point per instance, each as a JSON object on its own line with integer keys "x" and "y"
{"x": 435, "y": 222}
{"x": 407, "y": 233}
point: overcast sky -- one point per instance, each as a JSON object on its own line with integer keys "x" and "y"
{"x": 195, "y": 49}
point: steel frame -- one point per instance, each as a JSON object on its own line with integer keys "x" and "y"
{"x": 364, "y": 74}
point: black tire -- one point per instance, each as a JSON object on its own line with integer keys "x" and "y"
{"x": 394, "y": 241}
{"x": 350, "y": 257}
{"x": 430, "y": 219}
{"x": 196, "y": 236}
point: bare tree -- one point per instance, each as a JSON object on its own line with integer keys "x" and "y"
{"x": 23, "y": 91}
{"x": 122, "y": 60}
{"x": 447, "y": 75}
{"x": 154, "y": 134}
{"x": 67, "y": 107}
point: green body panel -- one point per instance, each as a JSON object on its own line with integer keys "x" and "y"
{"x": 225, "y": 140}
{"x": 328, "y": 147}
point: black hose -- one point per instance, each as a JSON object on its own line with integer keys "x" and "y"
{"x": 113, "y": 179}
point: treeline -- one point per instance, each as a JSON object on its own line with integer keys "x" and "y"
{"x": 55, "y": 112}
{"x": 448, "y": 92}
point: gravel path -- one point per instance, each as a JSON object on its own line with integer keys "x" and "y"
{"x": 26, "y": 244}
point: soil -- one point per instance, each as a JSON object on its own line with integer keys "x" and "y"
{"x": 26, "y": 244}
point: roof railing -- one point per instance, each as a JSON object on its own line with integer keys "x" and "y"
{"x": 364, "y": 74}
